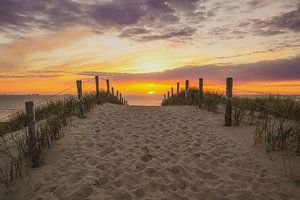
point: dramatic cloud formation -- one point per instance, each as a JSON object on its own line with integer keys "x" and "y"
{"x": 144, "y": 19}
{"x": 22, "y": 15}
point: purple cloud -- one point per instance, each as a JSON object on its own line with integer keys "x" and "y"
{"x": 20, "y": 16}
{"x": 117, "y": 12}
{"x": 289, "y": 21}
{"x": 159, "y": 19}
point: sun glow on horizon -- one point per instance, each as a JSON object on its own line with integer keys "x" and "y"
{"x": 151, "y": 92}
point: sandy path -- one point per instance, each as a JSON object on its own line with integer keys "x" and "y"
{"x": 124, "y": 153}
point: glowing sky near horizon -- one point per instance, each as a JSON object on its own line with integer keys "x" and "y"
{"x": 143, "y": 46}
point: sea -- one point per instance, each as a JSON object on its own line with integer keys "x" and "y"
{"x": 13, "y": 103}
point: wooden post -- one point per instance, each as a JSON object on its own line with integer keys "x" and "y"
{"x": 108, "y": 88}
{"x": 168, "y": 94}
{"x": 117, "y": 93}
{"x": 177, "y": 91}
{"x": 112, "y": 91}
{"x": 172, "y": 92}
{"x": 187, "y": 87}
{"x": 32, "y": 136}
{"x": 228, "y": 110}
{"x": 79, "y": 93}
{"x": 164, "y": 97}
{"x": 79, "y": 88}
{"x": 97, "y": 88}
{"x": 200, "y": 92}
{"x": 120, "y": 97}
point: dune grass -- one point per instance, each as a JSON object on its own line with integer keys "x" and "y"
{"x": 69, "y": 105}
{"x": 51, "y": 117}
{"x": 276, "y": 118}
{"x": 210, "y": 101}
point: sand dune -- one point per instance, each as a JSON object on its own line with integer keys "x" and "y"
{"x": 176, "y": 153}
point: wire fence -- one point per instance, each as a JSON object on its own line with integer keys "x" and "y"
{"x": 89, "y": 87}
{"x": 237, "y": 91}
{"x": 237, "y": 88}
{"x": 44, "y": 100}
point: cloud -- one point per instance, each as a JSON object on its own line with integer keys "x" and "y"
{"x": 47, "y": 71}
{"x": 28, "y": 14}
{"x": 148, "y": 20}
{"x": 141, "y": 34}
{"x": 117, "y": 12}
{"x": 29, "y": 76}
{"x": 279, "y": 24}
{"x": 255, "y": 4}
{"x": 13, "y": 55}
{"x": 278, "y": 70}
{"x": 20, "y": 16}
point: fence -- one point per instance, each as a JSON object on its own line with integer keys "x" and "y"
{"x": 228, "y": 102}
{"x": 31, "y": 131}
{"x": 229, "y": 87}
{"x": 276, "y": 117}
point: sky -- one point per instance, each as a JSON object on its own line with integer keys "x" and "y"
{"x": 145, "y": 46}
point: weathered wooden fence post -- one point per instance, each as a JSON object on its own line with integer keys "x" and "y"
{"x": 187, "y": 87}
{"x": 108, "y": 88}
{"x": 177, "y": 89}
{"x": 200, "y": 92}
{"x": 117, "y": 94}
{"x": 228, "y": 110}
{"x": 32, "y": 135}
{"x": 79, "y": 88}
{"x": 97, "y": 88}
{"x": 168, "y": 94}
{"x": 79, "y": 93}
{"x": 112, "y": 91}
{"x": 172, "y": 92}
{"x": 120, "y": 97}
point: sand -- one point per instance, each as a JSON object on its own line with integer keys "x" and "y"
{"x": 176, "y": 153}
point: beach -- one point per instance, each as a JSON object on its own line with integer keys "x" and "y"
{"x": 173, "y": 152}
